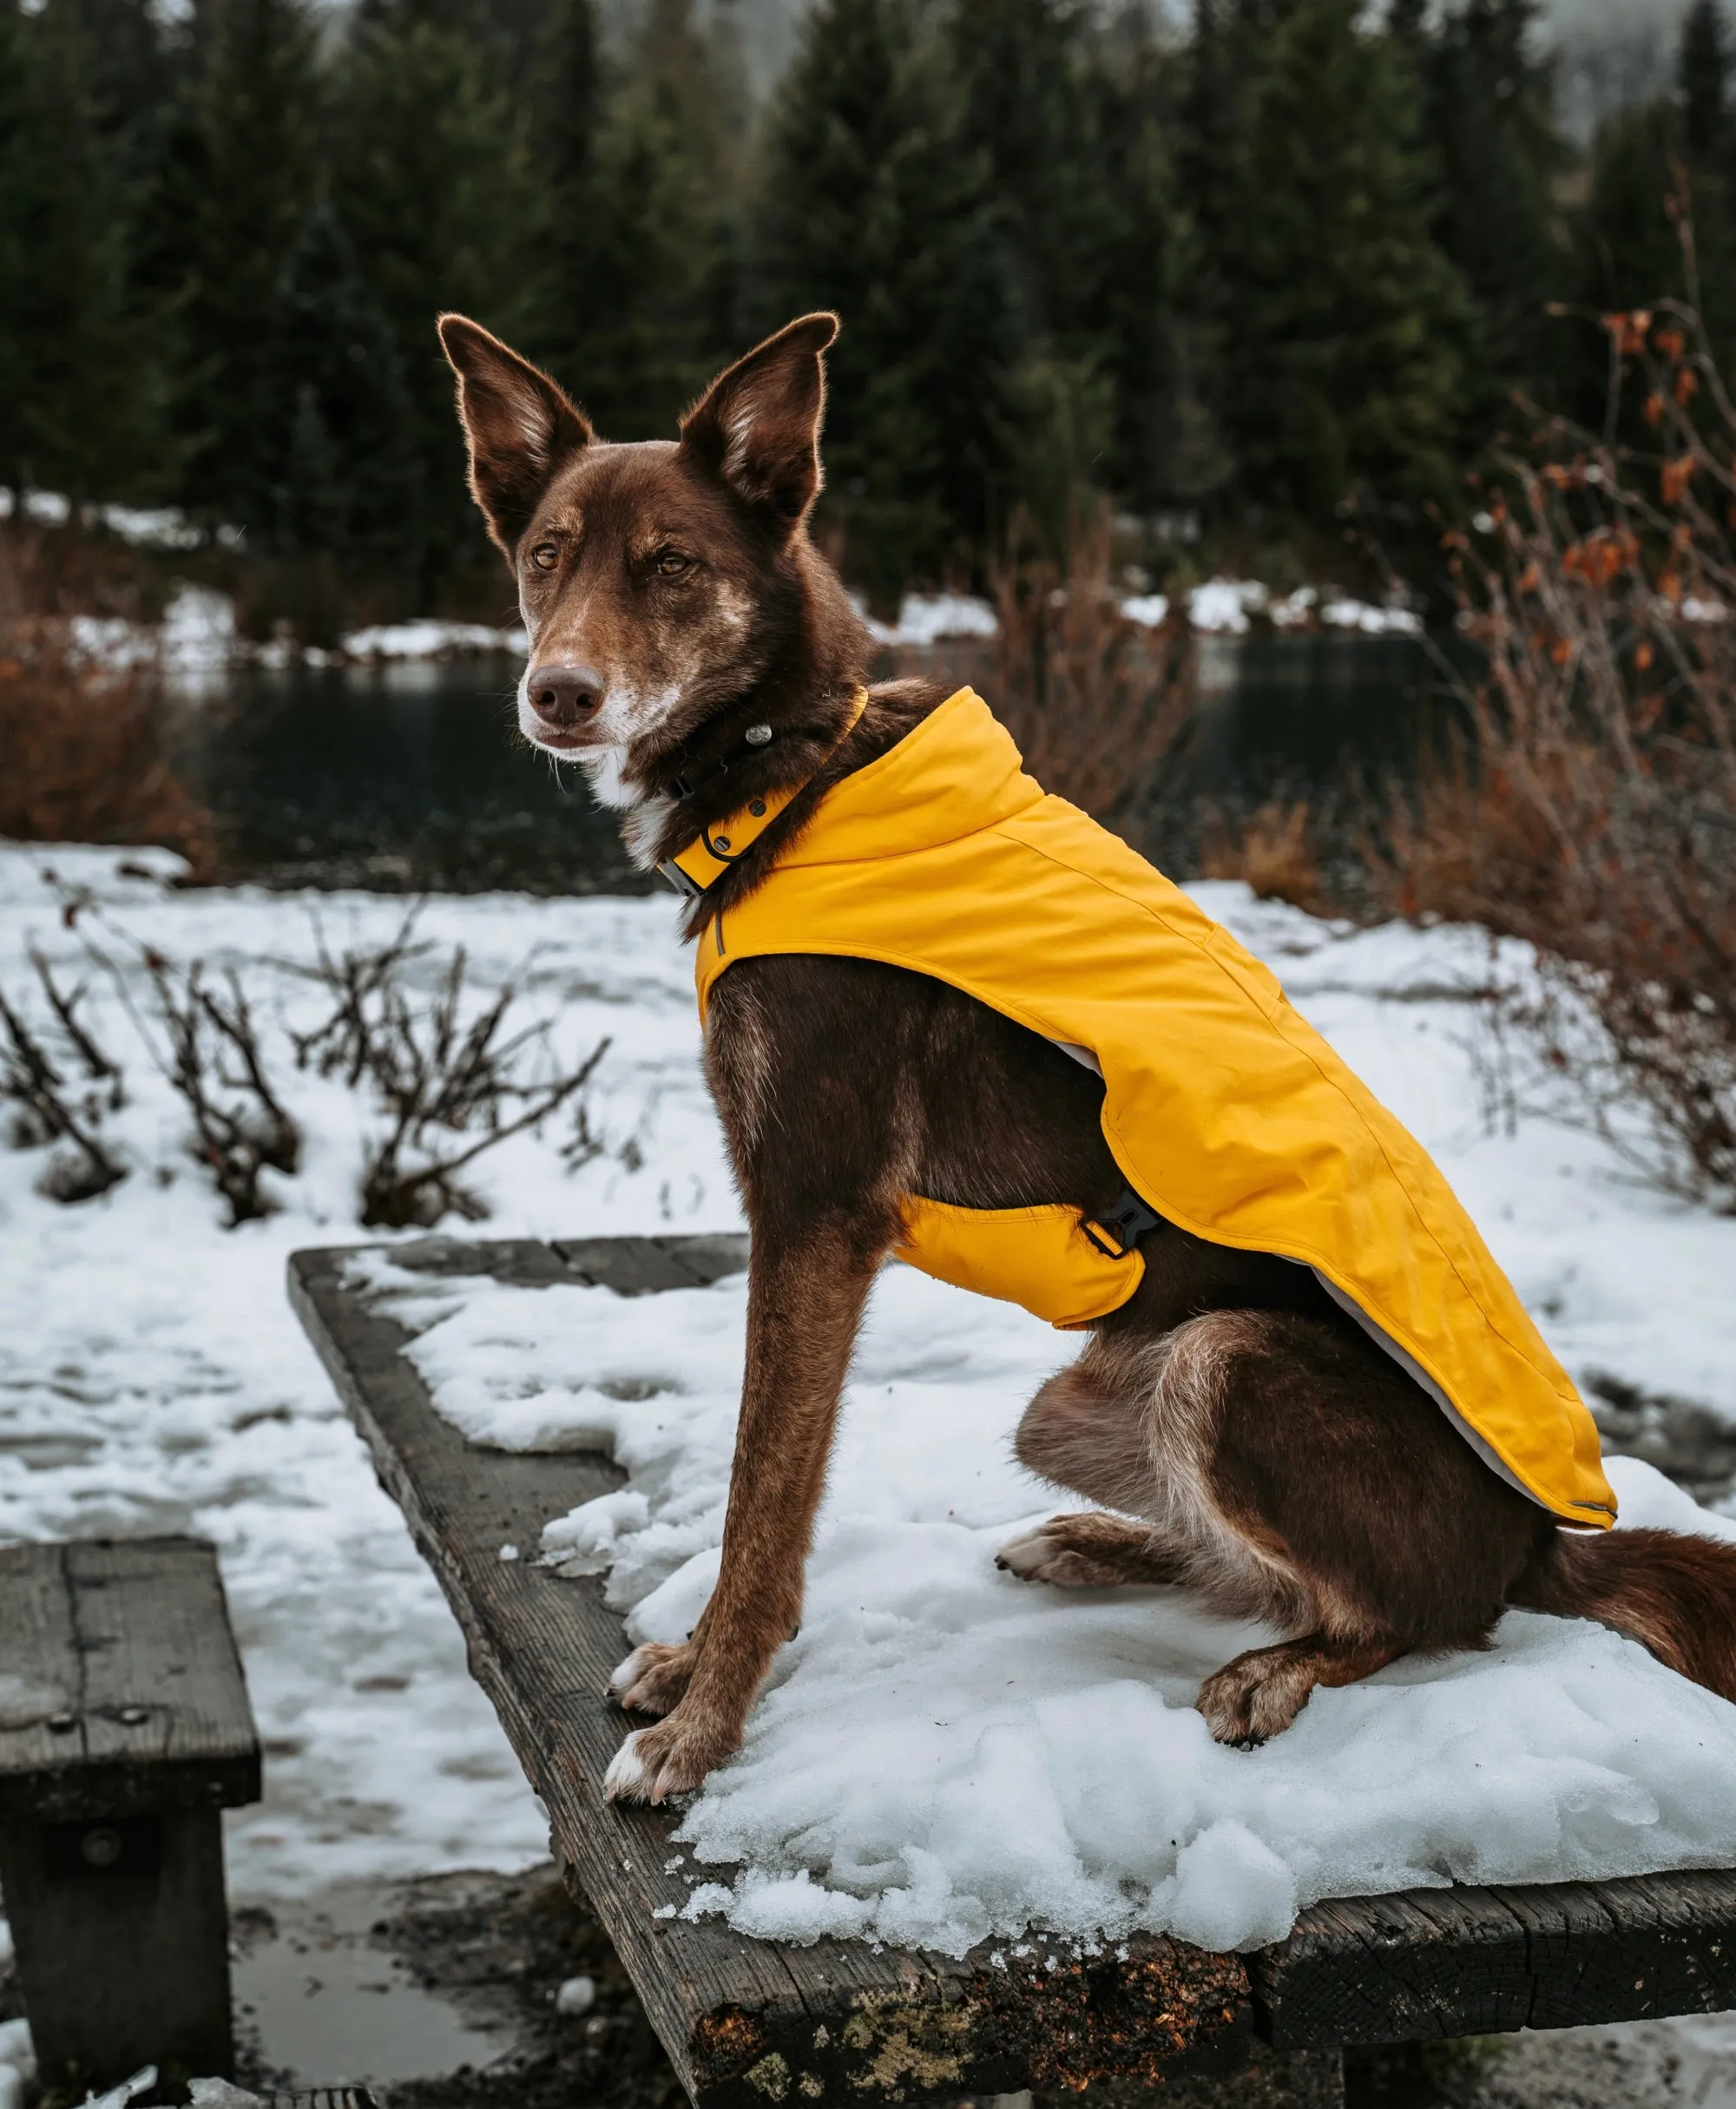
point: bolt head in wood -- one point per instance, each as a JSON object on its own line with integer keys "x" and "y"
{"x": 100, "y": 1846}
{"x": 63, "y": 1723}
{"x": 131, "y": 1717}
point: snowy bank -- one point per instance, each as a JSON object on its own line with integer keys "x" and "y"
{"x": 152, "y": 1378}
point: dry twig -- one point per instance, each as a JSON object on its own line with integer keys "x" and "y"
{"x": 46, "y": 1112}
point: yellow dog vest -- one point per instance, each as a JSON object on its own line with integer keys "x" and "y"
{"x": 1224, "y": 1108}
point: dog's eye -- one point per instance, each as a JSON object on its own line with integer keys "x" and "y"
{"x": 545, "y": 556}
{"x": 671, "y": 563}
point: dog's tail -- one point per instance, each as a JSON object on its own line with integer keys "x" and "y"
{"x": 1674, "y": 1594}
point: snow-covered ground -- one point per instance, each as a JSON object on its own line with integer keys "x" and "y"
{"x": 152, "y": 1377}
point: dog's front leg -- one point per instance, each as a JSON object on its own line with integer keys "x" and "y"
{"x": 804, "y": 1299}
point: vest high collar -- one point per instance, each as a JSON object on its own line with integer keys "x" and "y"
{"x": 694, "y": 870}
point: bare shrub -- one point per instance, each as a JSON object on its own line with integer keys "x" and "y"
{"x": 49, "y": 1107}
{"x": 87, "y": 744}
{"x": 1591, "y": 808}
{"x": 1271, "y": 849}
{"x": 240, "y": 1127}
{"x": 1094, "y": 700}
{"x": 432, "y": 1069}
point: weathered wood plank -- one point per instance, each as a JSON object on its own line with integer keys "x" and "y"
{"x": 745, "y": 2021}
{"x": 126, "y": 1691}
{"x": 1477, "y": 1961}
{"x": 631, "y": 1266}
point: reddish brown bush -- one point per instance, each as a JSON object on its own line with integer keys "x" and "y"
{"x": 1591, "y": 808}
{"x": 85, "y": 748}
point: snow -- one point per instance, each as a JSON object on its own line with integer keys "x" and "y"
{"x": 944, "y": 1753}
{"x": 894, "y": 1780}
{"x": 18, "y": 2063}
{"x": 156, "y": 527}
{"x": 926, "y": 618}
{"x": 1224, "y": 605}
{"x": 194, "y": 642}
{"x": 1227, "y": 607}
{"x": 429, "y": 639}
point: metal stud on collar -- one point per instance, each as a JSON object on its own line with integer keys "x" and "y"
{"x": 758, "y": 735}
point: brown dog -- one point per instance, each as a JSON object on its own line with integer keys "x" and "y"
{"x": 1244, "y": 1435}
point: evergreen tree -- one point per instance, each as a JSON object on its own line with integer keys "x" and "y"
{"x": 1703, "y": 78}
{"x": 1340, "y": 315}
{"x": 1703, "y": 72}
{"x": 1631, "y": 250}
{"x": 349, "y": 467}
{"x": 82, "y": 385}
{"x": 1081, "y": 204}
{"x": 641, "y": 248}
{"x": 1153, "y": 340}
{"x": 1489, "y": 125}
{"x": 241, "y": 172}
{"x": 565, "y": 107}
{"x": 431, "y": 187}
{"x": 1629, "y": 253}
{"x": 875, "y": 202}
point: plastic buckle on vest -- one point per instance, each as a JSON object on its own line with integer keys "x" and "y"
{"x": 690, "y": 888}
{"x": 1126, "y": 1220}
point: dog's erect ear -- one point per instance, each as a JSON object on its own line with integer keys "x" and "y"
{"x": 757, "y": 426}
{"x": 520, "y": 424}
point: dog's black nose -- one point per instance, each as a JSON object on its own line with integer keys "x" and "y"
{"x": 564, "y": 696}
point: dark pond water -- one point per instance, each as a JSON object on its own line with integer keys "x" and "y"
{"x": 413, "y": 777}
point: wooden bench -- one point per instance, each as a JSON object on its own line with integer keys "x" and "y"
{"x": 124, "y": 1731}
{"x": 751, "y": 2023}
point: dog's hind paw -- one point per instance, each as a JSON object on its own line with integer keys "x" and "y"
{"x": 1090, "y": 1551}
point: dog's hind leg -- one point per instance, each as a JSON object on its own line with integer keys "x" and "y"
{"x": 1087, "y": 1429}
{"x": 1090, "y": 1551}
{"x": 1261, "y": 1692}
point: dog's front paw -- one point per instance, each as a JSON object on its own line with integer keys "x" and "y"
{"x": 655, "y": 1678}
{"x": 672, "y": 1758}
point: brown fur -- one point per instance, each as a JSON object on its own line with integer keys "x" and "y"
{"x": 1257, "y": 1448}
